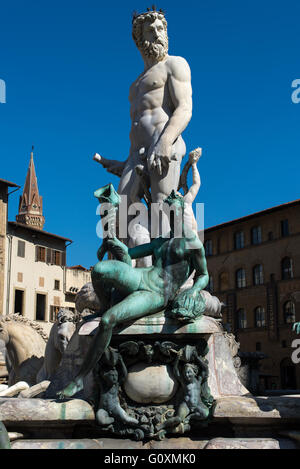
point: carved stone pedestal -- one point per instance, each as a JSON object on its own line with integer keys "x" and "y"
{"x": 236, "y": 423}
{"x": 158, "y": 377}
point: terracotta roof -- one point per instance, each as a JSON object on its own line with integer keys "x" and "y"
{"x": 78, "y": 267}
{"x": 253, "y": 215}
{"x": 30, "y": 228}
{"x": 8, "y": 183}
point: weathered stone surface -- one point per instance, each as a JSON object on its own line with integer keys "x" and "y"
{"x": 113, "y": 443}
{"x": 258, "y": 409}
{"x": 18, "y": 410}
{"x": 56, "y": 444}
{"x": 246, "y": 443}
{"x": 176, "y": 443}
{"x": 223, "y": 379}
{"x": 167, "y": 444}
{"x": 155, "y": 384}
{"x": 242, "y": 410}
{"x": 158, "y": 324}
{"x": 106, "y": 443}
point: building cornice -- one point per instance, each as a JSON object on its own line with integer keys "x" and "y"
{"x": 253, "y": 215}
{"x": 17, "y": 225}
{"x": 8, "y": 183}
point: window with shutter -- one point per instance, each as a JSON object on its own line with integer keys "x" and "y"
{"x": 239, "y": 240}
{"x": 63, "y": 258}
{"x": 256, "y": 235}
{"x": 241, "y": 319}
{"x": 49, "y": 256}
{"x": 40, "y": 254}
{"x": 260, "y": 317}
{"x": 258, "y": 276}
{"x": 241, "y": 278}
{"x": 208, "y": 246}
{"x": 285, "y": 228}
{"x": 57, "y": 258}
{"x": 21, "y": 248}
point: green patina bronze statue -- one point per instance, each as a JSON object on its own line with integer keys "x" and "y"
{"x": 139, "y": 292}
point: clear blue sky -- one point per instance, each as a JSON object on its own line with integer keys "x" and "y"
{"x": 68, "y": 66}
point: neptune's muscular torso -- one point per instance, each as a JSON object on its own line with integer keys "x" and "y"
{"x": 154, "y": 98}
{"x": 150, "y": 106}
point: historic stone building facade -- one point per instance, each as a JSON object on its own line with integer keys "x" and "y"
{"x": 34, "y": 278}
{"x": 254, "y": 264}
{"x": 75, "y": 278}
{"x": 35, "y": 262}
{"x": 4, "y": 187}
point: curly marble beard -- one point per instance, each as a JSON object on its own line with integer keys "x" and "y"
{"x": 157, "y": 49}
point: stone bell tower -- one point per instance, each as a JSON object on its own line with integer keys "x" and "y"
{"x": 31, "y": 204}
